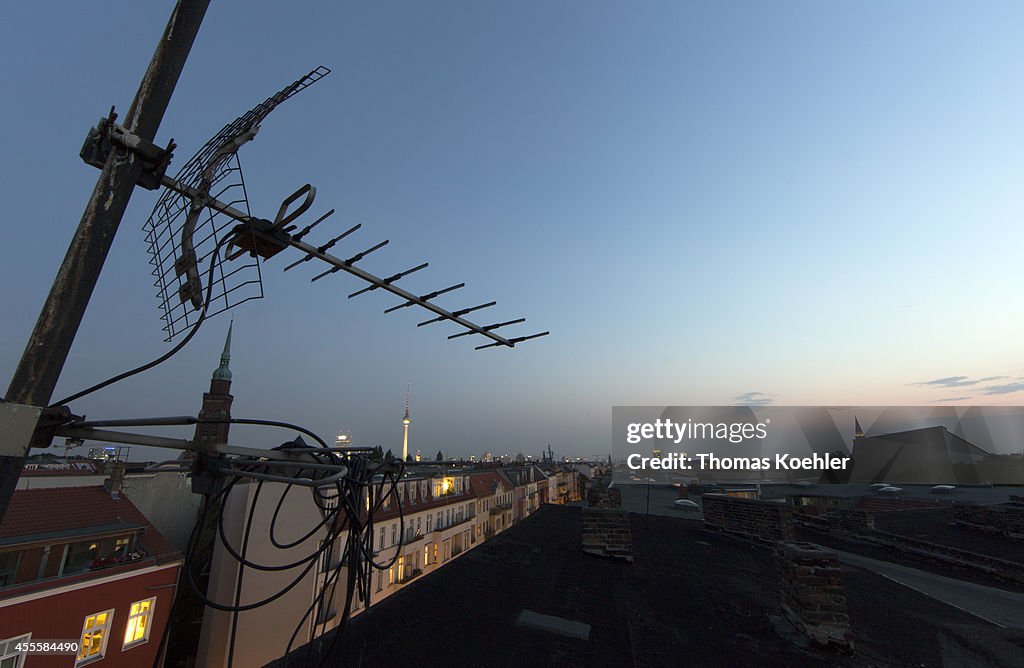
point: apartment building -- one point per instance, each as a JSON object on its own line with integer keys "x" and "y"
{"x": 443, "y": 513}
{"x": 83, "y": 564}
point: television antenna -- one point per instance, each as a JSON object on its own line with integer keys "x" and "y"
{"x": 206, "y": 206}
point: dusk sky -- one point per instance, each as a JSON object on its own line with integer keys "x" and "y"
{"x": 705, "y": 203}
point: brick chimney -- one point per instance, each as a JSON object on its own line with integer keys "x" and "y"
{"x": 812, "y": 594}
{"x": 115, "y": 481}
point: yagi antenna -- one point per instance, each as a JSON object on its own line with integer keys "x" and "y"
{"x": 390, "y": 280}
{"x": 190, "y": 222}
{"x": 436, "y": 293}
{"x": 196, "y": 211}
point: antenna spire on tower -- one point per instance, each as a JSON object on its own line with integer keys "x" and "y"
{"x": 405, "y": 425}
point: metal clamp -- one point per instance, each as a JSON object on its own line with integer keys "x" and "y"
{"x": 107, "y": 135}
{"x": 17, "y": 425}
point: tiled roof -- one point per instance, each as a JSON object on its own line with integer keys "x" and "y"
{"x": 483, "y": 483}
{"x": 70, "y": 509}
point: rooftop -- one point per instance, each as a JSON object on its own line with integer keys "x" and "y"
{"x": 690, "y": 596}
{"x": 967, "y": 494}
{"x": 67, "y": 512}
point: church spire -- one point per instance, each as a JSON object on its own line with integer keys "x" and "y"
{"x": 223, "y": 372}
{"x": 217, "y": 402}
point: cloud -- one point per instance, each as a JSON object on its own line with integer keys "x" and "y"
{"x": 950, "y": 399}
{"x": 950, "y": 381}
{"x": 1006, "y": 388}
{"x": 753, "y": 399}
{"x": 957, "y": 381}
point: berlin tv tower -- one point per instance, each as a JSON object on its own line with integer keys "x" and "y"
{"x": 405, "y": 423}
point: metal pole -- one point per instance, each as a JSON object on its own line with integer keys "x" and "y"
{"x": 41, "y": 364}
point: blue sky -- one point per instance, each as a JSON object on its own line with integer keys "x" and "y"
{"x": 816, "y": 202}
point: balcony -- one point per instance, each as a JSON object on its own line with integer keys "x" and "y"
{"x": 411, "y": 538}
{"x": 497, "y": 510}
{"x": 454, "y": 523}
{"x": 416, "y": 572}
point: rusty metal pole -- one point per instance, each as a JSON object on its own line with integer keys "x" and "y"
{"x": 41, "y": 364}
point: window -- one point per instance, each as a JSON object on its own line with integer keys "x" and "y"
{"x": 326, "y": 556}
{"x": 426, "y": 555}
{"x": 95, "y": 633}
{"x": 380, "y": 546}
{"x": 9, "y": 568}
{"x": 139, "y": 620}
{"x": 79, "y": 557}
{"x": 83, "y": 556}
{"x": 324, "y": 610}
{"x": 9, "y": 656}
{"x": 394, "y": 533}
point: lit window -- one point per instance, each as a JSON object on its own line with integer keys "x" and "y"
{"x": 426, "y": 555}
{"x": 11, "y": 657}
{"x": 139, "y": 620}
{"x": 95, "y": 633}
{"x": 121, "y": 545}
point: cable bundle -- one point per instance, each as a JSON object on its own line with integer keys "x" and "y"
{"x": 344, "y": 512}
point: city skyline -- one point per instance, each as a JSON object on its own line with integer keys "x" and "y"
{"x": 797, "y": 205}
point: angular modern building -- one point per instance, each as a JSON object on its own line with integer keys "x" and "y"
{"x": 928, "y": 455}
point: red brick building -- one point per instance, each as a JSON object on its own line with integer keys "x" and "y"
{"x": 82, "y": 564}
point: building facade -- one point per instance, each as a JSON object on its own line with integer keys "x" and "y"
{"x": 435, "y": 515}
{"x": 82, "y": 564}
